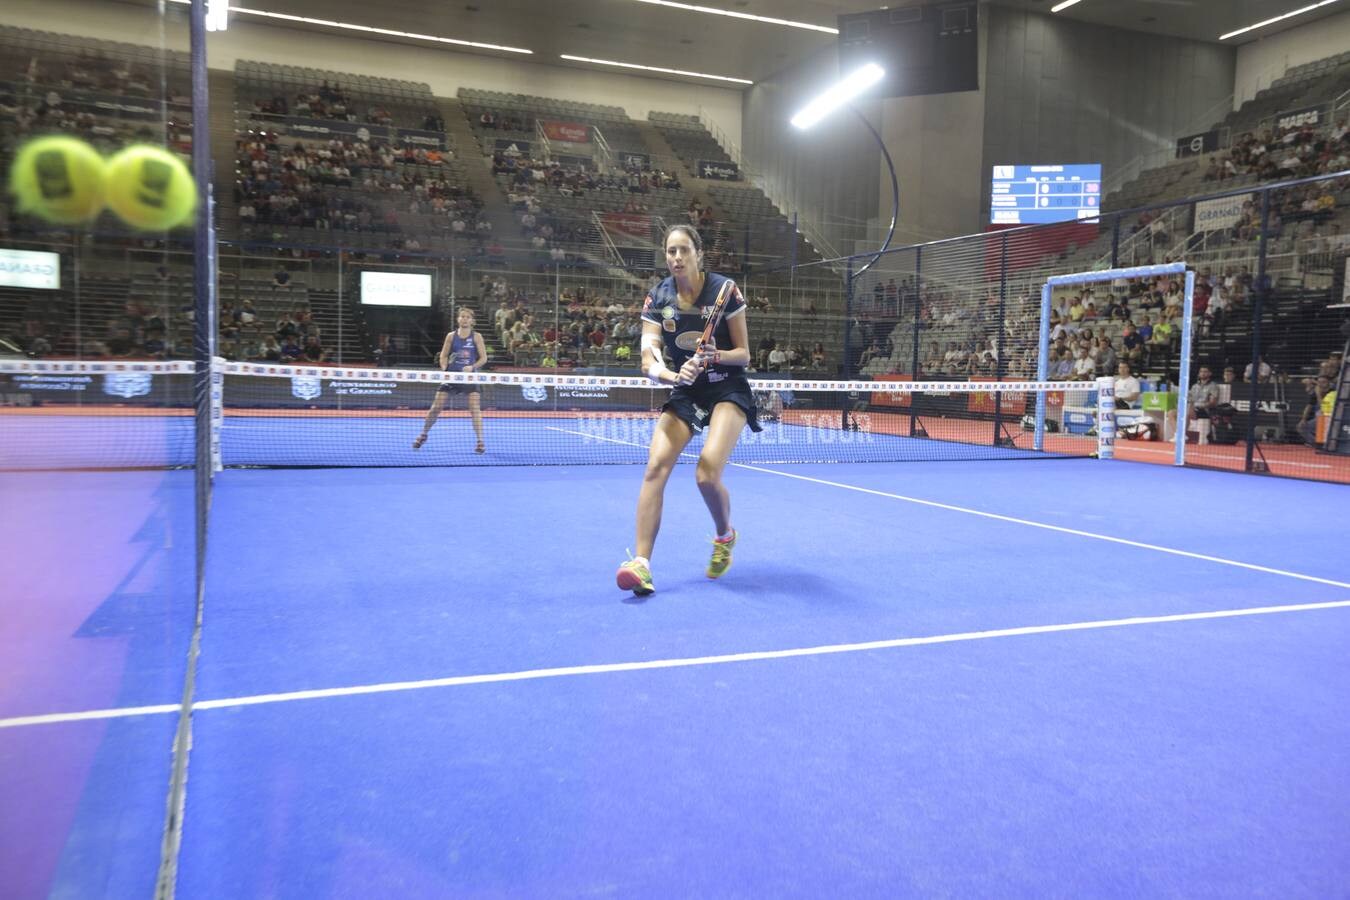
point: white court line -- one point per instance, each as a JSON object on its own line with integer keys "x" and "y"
{"x": 649, "y": 665}
{"x": 123, "y": 712}
{"x": 1197, "y": 456}
{"x": 1048, "y": 527}
{"x": 988, "y": 515}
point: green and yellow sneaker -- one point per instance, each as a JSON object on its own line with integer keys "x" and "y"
{"x": 635, "y": 576}
{"x": 721, "y": 556}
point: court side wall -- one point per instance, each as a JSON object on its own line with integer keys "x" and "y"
{"x": 445, "y": 70}
{"x": 1060, "y": 91}
{"x": 1261, "y": 62}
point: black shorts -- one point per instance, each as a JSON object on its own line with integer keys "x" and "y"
{"x": 694, "y": 403}
{"x": 452, "y": 389}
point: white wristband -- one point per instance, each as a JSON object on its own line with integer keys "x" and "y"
{"x": 655, "y": 371}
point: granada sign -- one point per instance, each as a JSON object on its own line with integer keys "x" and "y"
{"x": 36, "y": 270}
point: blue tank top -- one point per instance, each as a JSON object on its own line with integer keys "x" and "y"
{"x": 463, "y": 352}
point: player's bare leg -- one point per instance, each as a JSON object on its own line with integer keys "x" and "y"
{"x": 719, "y": 440}
{"x": 432, "y": 415}
{"x": 476, "y": 412}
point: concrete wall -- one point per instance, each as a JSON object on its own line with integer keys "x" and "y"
{"x": 1261, "y": 62}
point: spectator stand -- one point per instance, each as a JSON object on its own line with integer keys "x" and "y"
{"x": 364, "y": 156}
{"x": 579, "y": 197}
{"x": 107, "y": 93}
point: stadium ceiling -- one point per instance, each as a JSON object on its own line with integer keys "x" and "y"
{"x": 1200, "y": 20}
{"x": 633, "y": 31}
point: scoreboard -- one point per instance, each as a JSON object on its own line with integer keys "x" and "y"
{"x": 1033, "y": 195}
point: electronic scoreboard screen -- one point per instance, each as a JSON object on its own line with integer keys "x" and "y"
{"x": 1034, "y": 195}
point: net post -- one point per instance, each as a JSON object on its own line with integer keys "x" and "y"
{"x": 1042, "y": 367}
{"x": 848, "y": 328}
{"x": 1184, "y": 371}
{"x": 999, "y": 363}
{"x": 1106, "y": 417}
{"x": 217, "y": 410}
{"x": 1258, "y": 299}
{"x": 918, "y": 319}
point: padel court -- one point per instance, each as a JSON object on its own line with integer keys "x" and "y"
{"x": 957, "y": 677}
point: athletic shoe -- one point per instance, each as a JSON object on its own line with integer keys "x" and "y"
{"x": 721, "y": 556}
{"x": 636, "y": 577}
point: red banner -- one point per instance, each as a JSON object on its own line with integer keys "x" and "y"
{"x": 1014, "y": 403}
{"x": 629, "y": 225}
{"x": 892, "y": 398}
{"x": 572, "y": 132}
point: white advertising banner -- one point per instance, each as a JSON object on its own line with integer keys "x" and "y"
{"x": 1215, "y": 215}
{"x": 30, "y": 269}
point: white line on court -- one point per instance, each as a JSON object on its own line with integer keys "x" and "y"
{"x": 1200, "y": 458}
{"x": 1047, "y": 526}
{"x": 649, "y": 665}
{"x": 1002, "y": 518}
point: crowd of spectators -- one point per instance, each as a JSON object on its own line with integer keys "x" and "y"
{"x": 325, "y": 102}
{"x": 329, "y": 186}
{"x": 581, "y": 328}
{"x": 1287, "y": 153}
{"x": 720, "y": 253}
{"x": 576, "y": 180}
{"x": 93, "y": 70}
{"x": 247, "y": 336}
{"x": 772, "y": 355}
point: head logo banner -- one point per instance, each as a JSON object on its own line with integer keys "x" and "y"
{"x": 427, "y": 140}
{"x": 306, "y": 387}
{"x": 127, "y": 384}
{"x": 334, "y": 128}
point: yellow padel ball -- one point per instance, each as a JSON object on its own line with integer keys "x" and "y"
{"x": 60, "y": 179}
{"x": 150, "y": 188}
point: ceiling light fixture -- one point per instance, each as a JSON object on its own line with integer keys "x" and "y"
{"x": 1281, "y": 18}
{"x": 625, "y": 65}
{"x": 838, "y": 95}
{"x": 739, "y": 15}
{"x": 1064, "y": 5}
{"x": 369, "y": 29}
{"x": 217, "y": 15}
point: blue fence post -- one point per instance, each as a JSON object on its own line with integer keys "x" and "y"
{"x": 1002, "y": 310}
{"x": 918, "y": 322}
{"x": 1258, "y": 305}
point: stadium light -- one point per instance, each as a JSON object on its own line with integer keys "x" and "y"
{"x": 628, "y": 65}
{"x": 1279, "y": 18}
{"x": 768, "y": 20}
{"x": 367, "y": 29}
{"x": 836, "y": 96}
{"x": 217, "y": 15}
{"x": 854, "y": 84}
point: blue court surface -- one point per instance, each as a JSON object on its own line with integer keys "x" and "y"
{"x": 1064, "y": 677}
{"x": 52, "y": 442}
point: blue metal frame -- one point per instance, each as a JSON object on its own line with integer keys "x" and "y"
{"x": 1184, "y": 376}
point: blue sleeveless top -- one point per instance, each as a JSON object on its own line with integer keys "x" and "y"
{"x": 463, "y": 352}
